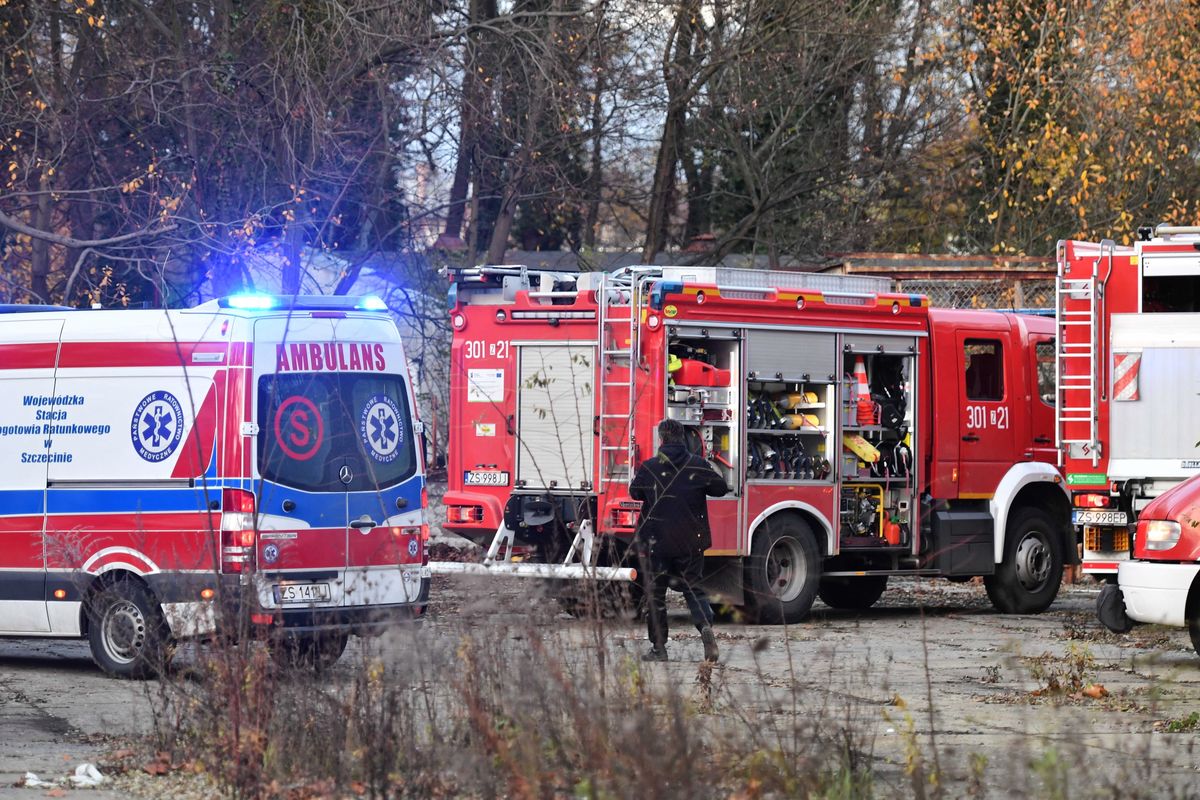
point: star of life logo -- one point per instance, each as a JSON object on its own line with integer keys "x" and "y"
{"x": 380, "y": 429}
{"x": 157, "y": 426}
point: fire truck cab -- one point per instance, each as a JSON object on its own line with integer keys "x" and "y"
{"x": 862, "y": 434}
{"x": 252, "y": 456}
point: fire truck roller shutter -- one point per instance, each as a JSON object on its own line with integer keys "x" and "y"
{"x": 555, "y": 411}
{"x": 794, "y": 355}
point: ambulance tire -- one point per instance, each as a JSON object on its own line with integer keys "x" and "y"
{"x": 127, "y": 633}
{"x": 1194, "y": 631}
{"x": 1027, "y": 580}
{"x": 783, "y": 572}
{"x": 852, "y": 594}
{"x": 313, "y": 651}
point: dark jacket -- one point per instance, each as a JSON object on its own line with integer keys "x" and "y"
{"x": 674, "y": 487}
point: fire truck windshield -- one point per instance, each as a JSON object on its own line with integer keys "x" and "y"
{"x": 334, "y": 432}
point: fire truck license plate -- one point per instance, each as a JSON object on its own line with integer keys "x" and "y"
{"x": 302, "y": 593}
{"x": 486, "y": 477}
{"x": 1100, "y": 518}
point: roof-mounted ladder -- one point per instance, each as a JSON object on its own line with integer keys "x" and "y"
{"x": 618, "y": 306}
{"x": 1077, "y": 357}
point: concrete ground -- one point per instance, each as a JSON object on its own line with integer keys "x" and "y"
{"x": 931, "y": 667}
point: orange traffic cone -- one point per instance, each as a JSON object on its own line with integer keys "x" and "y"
{"x": 866, "y": 406}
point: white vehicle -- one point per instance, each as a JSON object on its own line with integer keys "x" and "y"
{"x": 255, "y": 450}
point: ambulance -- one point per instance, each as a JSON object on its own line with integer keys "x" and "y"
{"x": 250, "y": 463}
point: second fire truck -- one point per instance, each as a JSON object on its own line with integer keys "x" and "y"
{"x": 862, "y": 433}
{"x": 1128, "y": 351}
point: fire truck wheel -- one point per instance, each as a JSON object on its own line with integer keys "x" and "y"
{"x": 783, "y": 572}
{"x": 315, "y": 651}
{"x": 1026, "y": 582}
{"x": 854, "y": 594}
{"x": 126, "y": 631}
{"x": 606, "y": 600}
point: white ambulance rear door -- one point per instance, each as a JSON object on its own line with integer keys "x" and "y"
{"x": 334, "y": 452}
{"x": 29, "y": 346}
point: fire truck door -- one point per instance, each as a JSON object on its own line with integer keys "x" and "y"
{"x": 1041, "y": 389}
{"x": 27, "y": 360}
{"x": 985, "y": 421}
{"x": 556, "y": 410}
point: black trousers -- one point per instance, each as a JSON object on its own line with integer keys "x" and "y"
{"x": 681, "y": 573}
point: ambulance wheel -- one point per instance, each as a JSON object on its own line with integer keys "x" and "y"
{"x": 1194, "y": 631}
{"x": 782, "y": 572}
{"x": 126, "y": 630}
{"x": 854, "y": 594}
{"x": 1026, "y": 581}
{"x": 315, "y": 651}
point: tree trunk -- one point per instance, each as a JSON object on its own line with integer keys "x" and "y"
{"x": 595, "y": 183}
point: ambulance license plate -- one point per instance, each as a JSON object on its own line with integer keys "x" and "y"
{"x": 1100, "y": 518}
{"x": 302, "y": 593}
{"x": 486, "y": 477}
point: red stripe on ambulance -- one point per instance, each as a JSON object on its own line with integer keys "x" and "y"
{"x": 28, "y": 356}
{"x": 137, "y": 354}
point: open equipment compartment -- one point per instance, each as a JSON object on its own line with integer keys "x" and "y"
{"x": 878, "y": 461}
{"x": 703, "y": 394}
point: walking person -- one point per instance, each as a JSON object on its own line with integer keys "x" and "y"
{"x": 674, "y": 487}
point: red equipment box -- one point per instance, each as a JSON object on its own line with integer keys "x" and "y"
{"x": 696, "y": 373}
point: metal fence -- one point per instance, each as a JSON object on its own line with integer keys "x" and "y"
{"x": 984, "y": 294}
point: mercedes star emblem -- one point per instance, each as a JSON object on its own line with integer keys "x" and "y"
{"x": 345, "y": 474}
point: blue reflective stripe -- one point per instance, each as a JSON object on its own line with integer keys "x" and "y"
{"x": 318, "y": 509}
{"x": 128, "y": 501}
{"x": 20, "y": 502}
{"x": 382, "y": 504}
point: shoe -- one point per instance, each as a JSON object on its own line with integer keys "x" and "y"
{"x": 710, "y": 643}
{"x": 655, "y": 654}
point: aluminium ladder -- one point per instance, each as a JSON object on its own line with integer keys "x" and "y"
{"x": 1077, "y": 360}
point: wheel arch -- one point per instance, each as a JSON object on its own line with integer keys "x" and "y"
{"x": 801, "y": 510}
{"x": 1191, "y": 608}
{"x": 1032, "y": 485}
{"x": 99, "y": 581}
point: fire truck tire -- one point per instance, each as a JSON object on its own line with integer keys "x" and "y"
{"x": 855, "y": 594}
{"x": 126, "y": 631}
{"x": 315, "y": 651}
{"x": 1026, "y": 581}
{"x": 782, "y": 572}
{"x": 607, "y": 600}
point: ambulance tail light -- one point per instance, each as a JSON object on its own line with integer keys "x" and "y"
{"x": 237, "y": 531}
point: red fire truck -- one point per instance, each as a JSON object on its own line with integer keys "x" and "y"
{"x": 1128, "y": 346}
{"x": 862, "y": 433}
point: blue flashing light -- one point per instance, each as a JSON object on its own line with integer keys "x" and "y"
{"x": 372, "y": 303}
{"x": 661, "y": 289}
{"x": 250, "y": 302}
